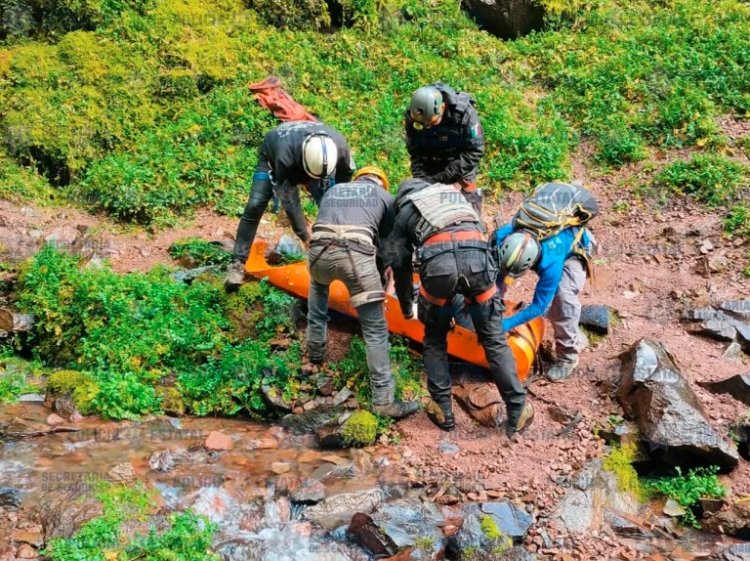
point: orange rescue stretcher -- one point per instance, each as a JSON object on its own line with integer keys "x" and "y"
{"x": 462, "y": 343}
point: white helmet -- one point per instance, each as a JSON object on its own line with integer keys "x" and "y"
{"x": 319, "y": 156}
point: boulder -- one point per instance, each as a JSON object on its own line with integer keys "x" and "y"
{"x": 671, "y": 420}
{"x": 10, "y": 497}
{"x": 365, "y": 533}
{"x": 218, "y": 441}
{"x": 122, "y": 472}
{"x": 595, "y": 498}
{"x": 339, "y": 509}
{"x": 481, "y": 401}
{"x": 737, "y": 552}
{"x": 411, "y": 524}
{"x": 727, "y": 321}
{"x": 62, "y": 514}
{"x": 311, "y": 491}
{"x": 734, "y": 521}
{"x": 161, "y": 461}
{"x": 595, "y": 318}
{"x": 489, "y": 526}
{"x": 507, "y": 19}
{"x": 738, "y": 386}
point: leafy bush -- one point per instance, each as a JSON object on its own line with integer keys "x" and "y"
{"x": 138, "y": 339}
{"x": 737, "y": 220}
{"x": 184, "y": 537}
{"x": 195, "y": 252}
{"x": 713, "y": 180}
{"x": 688, "y": 489}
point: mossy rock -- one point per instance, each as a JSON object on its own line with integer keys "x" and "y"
{"x": 172, "y": 401}
{"x": 360, "y": 429}
{"x": 80, "y": 385}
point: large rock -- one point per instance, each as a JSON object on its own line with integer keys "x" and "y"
{"x": 594, "y": 499}
{"x": 410, "y": 524}
{"x": 364, "y": 532}
{"x": 338, "y": 509}
{"x": 595, "y": 318}
{"x": 482, "y": 402}
{"x": 62, "y": 514}
{"x": 727, "y": 321}
{"x": 738, "y": 386}
{"x": 672, "y": 422}
{"x": 508, "y": 19}
{"x": 10, "y": 497}
{"x": 489, "y": 526}
{"x": 734, "y": 521}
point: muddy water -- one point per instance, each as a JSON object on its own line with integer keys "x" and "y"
{"x": 241, "y": 489}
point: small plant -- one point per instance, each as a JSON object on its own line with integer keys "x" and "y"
{"x": 500, "y": 543}
{"x": 737, "y": 220}
{"x": 619, "y": 461}
{"x": 688, "y": 489}
{"x": 80, "y": 385}
{"x": 195, "y": 252}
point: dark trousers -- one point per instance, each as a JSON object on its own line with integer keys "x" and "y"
{"x": 469, "y": 272}
{"x": 261, "y": 193}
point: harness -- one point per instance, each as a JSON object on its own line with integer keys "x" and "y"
{"x": 350, "y": 238}
{"x": 454, "y": 238}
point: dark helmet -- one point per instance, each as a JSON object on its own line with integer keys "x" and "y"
{"x": 427, "y": 106}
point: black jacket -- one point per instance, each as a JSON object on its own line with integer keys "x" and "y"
{"x": 282, "y": 151}
{"x": 452, "y": 150}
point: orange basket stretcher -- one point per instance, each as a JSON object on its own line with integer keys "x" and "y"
{"x": 462, "y": 343}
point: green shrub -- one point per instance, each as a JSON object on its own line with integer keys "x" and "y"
{"x": 710, "y": 179}
{"x": 360, "y": 429}
{"x": 80, "y": 385}
{"x": 293, "y": 14}
{"x": 737, "y": 220}
{"x": 195, "y": 252}
{"x": 688, "y": 489}
{"x": 184, "y": 536}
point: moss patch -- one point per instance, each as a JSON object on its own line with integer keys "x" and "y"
{"x": 360, "y": 429}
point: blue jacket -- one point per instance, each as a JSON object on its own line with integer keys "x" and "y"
{"x": 554, "y": 251}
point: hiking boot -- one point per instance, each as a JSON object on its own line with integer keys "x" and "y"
{"x": 559, "y": 370}
{"x": 523, "y": 420}
{"x": 441, "y": 414}
{"x": 396, "y": 409}
{"x": 235, "y": 276}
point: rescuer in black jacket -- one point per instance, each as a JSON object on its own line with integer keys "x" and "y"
{"x": 454, "y": 258}
{"x": 294, "y": 153}
{"x": 445, "y": 139}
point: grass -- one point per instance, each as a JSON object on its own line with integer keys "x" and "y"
{"x": 194, "y": 252}
{"x": 619, "y": 461}
{"x": 138, "y": 108}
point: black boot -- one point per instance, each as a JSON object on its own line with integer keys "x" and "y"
{"x": 441, "y": 414}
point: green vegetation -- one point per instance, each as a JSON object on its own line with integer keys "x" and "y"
{"x": 142, "y": 343}
{"x": 80, "y": 385}
{"x": 181, "y": 537}
{"x": 17, "y": 377}
{"x": 710, "y": 179}
{"x": 139, "y": 107}
{"x": 500, "y": 542}
{"x": 688, "y": 489}
{"x": 195, "y": 252}
{"x": 352, "y": 371}
{"x": 619, "y": 461}
{"x": 360, "y": 429}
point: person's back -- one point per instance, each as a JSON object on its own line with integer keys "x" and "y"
{"x": 353, "y": 219}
